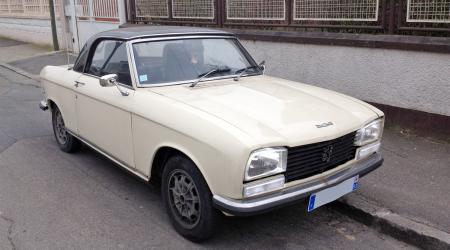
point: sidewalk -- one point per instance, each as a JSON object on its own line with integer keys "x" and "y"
{"x": 14, "y": 50}
{"x": 28, "y": 59}
{"x": 414, "y": 181}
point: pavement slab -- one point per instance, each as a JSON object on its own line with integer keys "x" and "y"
{"x": 414, "y": 180}
{"x": 20, "y": 114}
{"x": 7, "y": 42}
{"x": 20, "y": 51}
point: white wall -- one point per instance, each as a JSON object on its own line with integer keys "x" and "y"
{"x": 86, "y": 29}
{"x": 407, "y": 79}
{"x": 32, "y": 30}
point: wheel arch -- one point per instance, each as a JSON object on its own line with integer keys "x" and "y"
{"x": 51, "y": 104}
{"x": 163, "y": 153}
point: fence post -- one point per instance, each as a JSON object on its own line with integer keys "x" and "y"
{"x": 121, "y": 11}
{"x": 169, "y": 9}
{"x": 132, "y": 10}
{"x": 53, "y": 24}
{"x": 289, "y": 10}
{"x": 220, "y": 12}
{"x": 392, "y": 10}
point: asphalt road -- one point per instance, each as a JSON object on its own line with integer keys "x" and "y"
{"x": 53, "y": 200}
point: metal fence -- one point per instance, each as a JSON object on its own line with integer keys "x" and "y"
{"x": 256, "y": 10}
{"x": 336, "y": 10}
{"x": 193, "y": 9}
{"x": 98, "y": 10}
{"x": 431, "y": 11}
{"x": 152, "y": 8}
{"x": 358, "y": 16}
{"x": 27, "y": 8}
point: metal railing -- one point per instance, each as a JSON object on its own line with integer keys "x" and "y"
{"x": 335, "y": 10}
{"x": 152, "y": 9}
{"x": 193, "y": 9}
{"x": 98, "y": 10}
{"x": 256, "y": 10}
{"x": 431, "y": 11}
{"x": 412, "y": 17}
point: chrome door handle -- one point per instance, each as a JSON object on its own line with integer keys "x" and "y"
{"x": 77, "y": 83}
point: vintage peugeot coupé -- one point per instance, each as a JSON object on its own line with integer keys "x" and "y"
{"x": 190, "y": 109}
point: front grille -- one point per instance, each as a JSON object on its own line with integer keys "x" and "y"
{"x": 308, "y": 160}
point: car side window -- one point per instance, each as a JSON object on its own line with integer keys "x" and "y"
{"x": 110, "y": 57}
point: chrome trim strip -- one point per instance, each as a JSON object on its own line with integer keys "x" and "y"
{"x": 297, "y": 192}
{"x": 118, "y": 162}
{"x": 163, "y": 36}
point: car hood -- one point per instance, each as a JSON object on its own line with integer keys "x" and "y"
{"x": 274, "y": 111}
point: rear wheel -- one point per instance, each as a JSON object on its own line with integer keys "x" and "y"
{"x": 66, "y": 142}
{"x": 188, "y": 200}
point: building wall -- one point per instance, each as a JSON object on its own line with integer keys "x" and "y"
{"x": 407, "y": 79}
{"x": 32, "y": 30}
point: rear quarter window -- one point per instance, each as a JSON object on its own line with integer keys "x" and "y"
{"x": 81, "y": 60}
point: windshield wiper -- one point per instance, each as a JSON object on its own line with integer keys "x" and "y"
{"x": 244, "y": 70}
{"x": 206, "y": 74}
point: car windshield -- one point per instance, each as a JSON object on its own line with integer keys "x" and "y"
{"x": 187, "y": 60}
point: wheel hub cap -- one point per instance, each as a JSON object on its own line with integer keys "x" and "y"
{"x": 60, "y": 130}
{"x": 184, "y": 198}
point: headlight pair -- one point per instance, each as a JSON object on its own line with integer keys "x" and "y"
{"x": 271, "y": 161}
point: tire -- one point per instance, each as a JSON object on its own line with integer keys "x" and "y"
{"x": 66, "y": 142}
{"x": 199, "y": 220}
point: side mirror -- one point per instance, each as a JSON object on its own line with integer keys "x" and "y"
{"x": 262, "y": 66}
{"x": 111, "y": 80}
{"x": 108, "y": 80}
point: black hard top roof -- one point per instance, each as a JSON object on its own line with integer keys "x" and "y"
{"x": 156, "y": 31}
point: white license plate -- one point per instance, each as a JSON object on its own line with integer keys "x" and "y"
{"x": 333, "y": 193}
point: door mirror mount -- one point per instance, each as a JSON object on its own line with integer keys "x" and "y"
{"x": 108, "y": 80}
{"x": 111, "y": 80}
{"x": 262, "y": 66}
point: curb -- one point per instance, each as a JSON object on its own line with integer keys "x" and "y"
{"x": 392, "y": 224}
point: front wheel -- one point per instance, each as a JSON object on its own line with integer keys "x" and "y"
{"x": 188, "y": 200}
{"x": 66, "y": 142}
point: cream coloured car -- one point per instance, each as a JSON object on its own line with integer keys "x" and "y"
{"x": 190, "y": 109}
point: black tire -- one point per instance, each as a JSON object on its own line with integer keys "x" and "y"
{"x": 65, "y": 141}
{"x": 207, "y": 219}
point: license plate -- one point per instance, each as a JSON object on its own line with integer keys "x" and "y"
{"x": 333, "y": 193}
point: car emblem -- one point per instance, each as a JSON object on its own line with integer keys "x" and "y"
{"x": 325, "y": 124}
{"x": 327, "y": 151}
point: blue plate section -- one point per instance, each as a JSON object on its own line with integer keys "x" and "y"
{"x": 312, "y": 199}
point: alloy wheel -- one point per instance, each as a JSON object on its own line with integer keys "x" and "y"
{"x": 184, "y": 198}
{"x": 60, "y": 128}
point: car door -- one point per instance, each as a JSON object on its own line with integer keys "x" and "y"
{"x": 103, "y": 113}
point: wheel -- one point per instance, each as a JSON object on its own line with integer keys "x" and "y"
{"x": 188, "y": 199}
{"x": 66, "y": 141}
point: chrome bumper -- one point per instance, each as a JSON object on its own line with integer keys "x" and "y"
{"x": 289, "y": 195}
{"x": 43, "y": 105}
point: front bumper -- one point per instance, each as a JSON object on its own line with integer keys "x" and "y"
{"x": 289, "y": 195}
